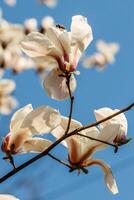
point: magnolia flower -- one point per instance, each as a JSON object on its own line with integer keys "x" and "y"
{"x": 7, "y": 102}
{"x": 59, "y": 50}
{"x": 81, "y": 149}
{"x": 30, "y": 25}
{"x": 105, "y": 55}
{"x": 49, "y": 3}
{"x": 46, "y": 23}
{"x": 7, "y": 197}
{"x": 10, "y": 2}
{"x": 119, "y": 119}
{"x": 25, "y": 124}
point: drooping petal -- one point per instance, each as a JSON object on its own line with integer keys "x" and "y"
{"x": 109, "y": 178}
{"x": 81, "y": 32}
{"x": 7, "y": 86}
{"x": 35, "y": 145}
{"x": 36, "y": 44}
{"x": 55, "y": 85}
{"x": 42, "y": 120}
{"x": 7, "y": 197}
{"x": 18, "y": 117}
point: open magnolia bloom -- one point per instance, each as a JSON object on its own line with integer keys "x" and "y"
{"x": 81, "y": 149}
{"x": 60, "y": 52}
{"x": 7, "y": 102}
{"x": 102, "y": 113}
{"x": 105, "y": 55}
{"x": 7, "y": 197}
{"x": 30, "y": 25}
{"x": 25, "y": 124}
{"x": 49, "y": 3}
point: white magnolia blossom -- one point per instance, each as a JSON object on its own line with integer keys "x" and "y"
{"x": 119, "y": 119}
{"x": 7, "y": 197}
{"x": 105, "y": 55}
{"x": 30, "y": 25}
{"x": 59, "y": 50}
{"x": 49, "y": 3}
{"x": 7, "y": 102}
{"x": 10, "y": 2}
{"x": 47, "y": 22}
{"x": 81, "y": 149}
{"x": 25, "y": 124}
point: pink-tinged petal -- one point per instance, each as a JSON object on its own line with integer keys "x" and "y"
{"x": 17, "y": 139}
{"x": 56, "y": 87}
{"x": 60, "y": 130}
{"x": 81, "y": 32}
{"x": 35, "y": 145}
{"x": 7, "y": 197}
{"x": 47, "y": 22}
{"x": 109, "y": 178}
{"x": 7, "y": 104}
{"x": 18, "y": 117}
{"x": 49, "y": 3}
{"x": 42, "y": 120}
{"x": 10, "y": 2}
{"x": 36, "y": 44}
{"x": 7, "y": 86}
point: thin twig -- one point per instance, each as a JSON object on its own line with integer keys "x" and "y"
{"x": 91, "y": 138}
{"x": 68, "y": 76}
{"x": 45, "y": 152}
{"x": 60, "y": 161}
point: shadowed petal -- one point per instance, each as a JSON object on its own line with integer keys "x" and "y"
{"x": 7, "y": 197}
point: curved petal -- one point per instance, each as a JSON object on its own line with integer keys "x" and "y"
{"x": 59, "y": 131}
{"x": 42, "y": 120}
{"x": 108, "y": 134}
{"x": 7, "y": 86}
{"x": 7, "y": 197}
{"x": 119, "y": 119}
{"x": 109, "y": 178}
{"x": 35, "y": 145}
{"x": 36, "y": 44}
{"x": 18, "y": 117}
{"x": 56, "y": 87}
{"x": 81, "y": 32}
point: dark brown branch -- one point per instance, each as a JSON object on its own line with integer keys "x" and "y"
{"x": 45, "y": 152}
{"x": 60, "y": 161}
{"x": 68, "y": 76}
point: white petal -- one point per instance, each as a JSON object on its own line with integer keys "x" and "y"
{"x": 59, "y": 131}
{"x": 56, "y": 87}
{"x": 47, "y": 22}
{"x": 81, "y": 32}
{"x": 7, "y": 104}
{"x": 109, "y": 178}
{"x": 36, "y": 144}
{"x": 7, "y": 197}
{"x": 10, "y": 2}
{"x": 42, "y": 120}
{"x": 119, "y": 119}
{"x": 36, "y": 44}
{"x": 49, "y": 3}
{"x": 19, "y": 116}
{"x": 7, "y": 86}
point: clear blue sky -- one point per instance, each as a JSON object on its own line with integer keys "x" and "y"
{"x": 111, "y": 20}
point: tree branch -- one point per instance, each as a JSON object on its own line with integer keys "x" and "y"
{"x": 45, "y": 152}
{"x": 68, "y": 76}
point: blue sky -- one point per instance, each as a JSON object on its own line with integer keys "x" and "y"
{"x": 111, "y": 20}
